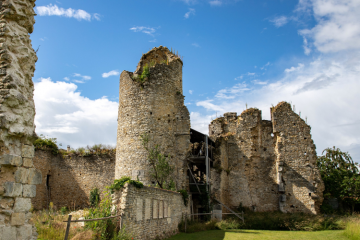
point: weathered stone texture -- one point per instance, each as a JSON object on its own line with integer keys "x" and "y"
{"x": 71, "y": 178}
{"x": 250, "y": 162}
{"x": 156, "y": 107}
{"x": 150, "y": 213}
{"x": 17, "y": 111}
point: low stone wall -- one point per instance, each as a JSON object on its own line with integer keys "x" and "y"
{"x": 149, "y": 212}
{"x": 68, "y": 180}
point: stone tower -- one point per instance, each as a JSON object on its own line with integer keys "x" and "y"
{"x": 154, "y": 106}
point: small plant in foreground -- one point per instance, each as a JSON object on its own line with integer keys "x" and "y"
{"x": 119, "y": 183}
{"x": 94, "y": 198}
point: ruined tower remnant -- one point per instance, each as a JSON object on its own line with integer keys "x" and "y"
{"x": 17, "y": 111}
{"x": 266, "y": 165}
{"x": 152, "y": 103}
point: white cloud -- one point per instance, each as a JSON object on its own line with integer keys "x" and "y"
{"x": 66, "y": 79}
{"x": 266, "y": 65}
{"x": 231, "y": 93}
{"x": 189, "y": 2}
{"x": 215, "y": 3}
{"x": 279, "y": 21}
{"x": 75, "y": 120}
{"x": 189, "y": 13}
{"x": 82, "y": 77}
{"x": 239, "y": 77}
{"x": 292, "y": 69}
{"x": 338, "y": 25}
{"x": 250, "y": 74}
{"x": 154, "y": 40}
{"x": 147, "y": 30}
{"x": 191, "y": 91}
{"x": 195, "y": 45}
{"x": 259, "y": 82}
{"x": 97, "y": 16}
{"x": 54, "y": 10}
{"x": 111, "y": 73}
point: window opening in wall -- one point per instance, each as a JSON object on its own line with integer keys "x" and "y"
{"x": 150, "y": 113}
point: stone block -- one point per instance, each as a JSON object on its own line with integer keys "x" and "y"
{"x": 22, "y": 175}
{"x": 2, "y": 190}
{"x": 28, "y": 162}
{"x": 35, "y": 176}
{"x": 24, "y": 232}
{"x": 13, "y": 189}
{"x": 7, "y": 233}
{"x": 12, "y": 160}
{"x": 22, "y": 204}
{"x": 17, "y": 219}
{"x": 29, "y": 191}
{"x": 27, "y": 151}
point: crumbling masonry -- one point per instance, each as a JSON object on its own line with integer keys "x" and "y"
{"x": 17, "y": 173}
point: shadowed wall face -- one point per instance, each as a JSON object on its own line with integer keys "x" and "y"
{"x": 18, "y": 175}
{"x": 154, "y": 106}
{"x": 266, "y": 165}
{"x": 68, "y": 180}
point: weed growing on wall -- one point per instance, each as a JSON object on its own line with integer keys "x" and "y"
{"x": 161, "y": 170}
{"x": 45, "y": 143}
{"x": 185, "y": 196}
{"x": 119, "y": 183}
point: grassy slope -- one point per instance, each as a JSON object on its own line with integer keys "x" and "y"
{"x": 261, "y": 234}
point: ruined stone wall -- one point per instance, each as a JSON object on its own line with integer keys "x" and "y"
{"x": 18, "y": 176}
{"x": 247, "y": 156}
{"x": 67, "y": 180}
{"x": 297, "y": 172}
{"x": 156, "y": 107}
{"x": 150, "y": 213}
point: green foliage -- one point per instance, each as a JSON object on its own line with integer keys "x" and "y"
{"x": 104, "y": 228}
{"x": 119, "y": 183}
{"x": 340, "y": 175}
{"x": 185, "y": 196}
{"x": 123, "y": 234}
{"x": 63, "y": 210}
{"x": 161, "y": 169}
{"x": 45, "y": 143}
{"x": 94, "y": 197}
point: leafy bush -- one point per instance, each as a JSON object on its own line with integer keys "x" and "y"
{"x": 94, "y": 198}
{"x": 104, "y": 228}
{"x": 45, "y": 143}
{"x": 119, "y": 183}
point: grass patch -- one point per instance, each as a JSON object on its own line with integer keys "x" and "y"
{"x": 352, "y": 230}
{"x": 51, "y": 226}
{"x": 260, "y": 235}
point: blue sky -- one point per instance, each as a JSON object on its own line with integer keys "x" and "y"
{"x": 235, "y": 53}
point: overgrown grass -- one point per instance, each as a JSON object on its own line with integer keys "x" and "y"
{"x": 195, "y": 226}
{"x": 51, "y": 226}
{"x": 352, "y": 230}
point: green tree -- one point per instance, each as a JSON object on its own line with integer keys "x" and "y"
{"x": 351, "y": 190}
{"x": 337, "y": 168}
{"x": 161, "y": 169}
